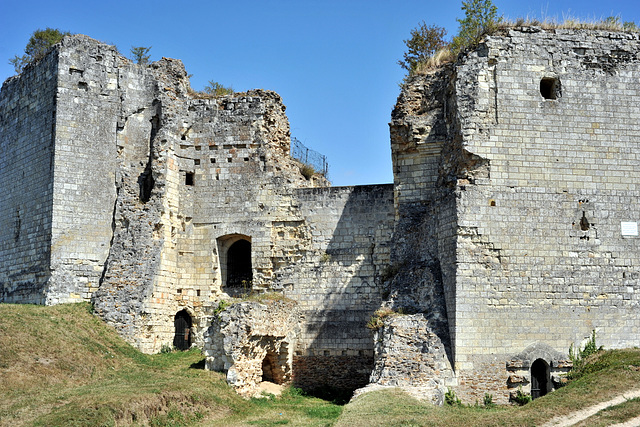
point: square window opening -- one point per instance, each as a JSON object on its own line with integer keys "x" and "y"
{"x": 189, "y": 178}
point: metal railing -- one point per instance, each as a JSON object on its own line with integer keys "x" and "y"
{"x": 309, "y": 157}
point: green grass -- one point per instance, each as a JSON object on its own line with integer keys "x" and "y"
{"x": 62, "y": 366}
{"x": 606, "y": 375}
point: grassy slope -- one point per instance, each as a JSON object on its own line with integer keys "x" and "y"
{"x": 62, "y": 366}
{"x": 608, "y": 375}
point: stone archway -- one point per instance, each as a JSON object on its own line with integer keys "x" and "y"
{"x": 540, "y": 378}
{"x": 183, "y": 330}
{"x": 236, "y": 269}
{"x": 239, "y": 272}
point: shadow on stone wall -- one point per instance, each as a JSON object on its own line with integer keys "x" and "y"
{"x": 339, "y": 356}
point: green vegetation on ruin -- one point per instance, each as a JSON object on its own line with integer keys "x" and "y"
{"x": 427, "y": 47}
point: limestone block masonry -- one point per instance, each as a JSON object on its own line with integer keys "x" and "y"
{"x": 510, "y": 231}
{"x": 526, "y": 155}
{"x": 122, "y": 187}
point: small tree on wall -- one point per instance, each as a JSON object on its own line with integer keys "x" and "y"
{"x": 140, "y": 54}
{"x": 217, "y": 89}
{"x": 425, "y": 41}
{"x": 39, "y": 44}
{"x": 480, "y": 17}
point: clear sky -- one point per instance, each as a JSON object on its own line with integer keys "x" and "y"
{"x": 333, "y": 62}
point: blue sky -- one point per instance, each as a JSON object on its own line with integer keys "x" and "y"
{"x": 333, "y": 62}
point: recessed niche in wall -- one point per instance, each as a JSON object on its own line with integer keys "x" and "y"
{"x": 188, "y": 178}
{"x": 196, "y": 162}
{"x": 550, "y": 88}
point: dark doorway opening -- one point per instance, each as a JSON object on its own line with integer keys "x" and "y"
{"x": 271, "y": 370}
{"x": 239, "y": 273}
{"x": 540, "y": 378}
{"x": 182, "y": 323}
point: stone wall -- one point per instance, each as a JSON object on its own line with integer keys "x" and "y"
{"x": 253, "y": 342}
{"x": 27, "y": 126}
{"x": 338, "y": 284}
{"x": 84, "y": 182}
{"x": 408, "y": 354}
{"x": 150, "y": 187}
{"x": 540, "y": 238}
{"x": 538, "y": 158}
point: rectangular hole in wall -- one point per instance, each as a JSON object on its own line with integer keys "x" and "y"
{"x": 229, "y": 160}
{"x": 198, "y": 292}
{"x": 188, "y": 178}
{"x": 213, "y": 160}
{"x": 212, "y": 147}
{"x": 246, "y": 159}
{"x": 198, "y": 148}
{"x": 196, "y": 162}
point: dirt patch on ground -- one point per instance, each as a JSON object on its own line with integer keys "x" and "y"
{"x": 269, "y": 387}
{"x": 583, "y": 414}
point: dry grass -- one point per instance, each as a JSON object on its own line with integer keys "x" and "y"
{"x": 266, "y": 297}
{"x": 615, "y": 24}
{"x": 570, "y": 22}
{"x": 377, "y": 320}
{"x": 609, "y": 374}
{"x": 307, "y": 171}
{"x": 63, "y": 366}
{"x": 613, "y": 414}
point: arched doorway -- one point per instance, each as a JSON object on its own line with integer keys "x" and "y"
{"x": 239, "y": 272}
{"x": 182, "y": 323}
{"x": 540, "y": 378}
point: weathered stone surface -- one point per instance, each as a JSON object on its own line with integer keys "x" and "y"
{"x": 509, "y": 231}
{"x": 408, "y": 354}
{"x": 522, "y": 156}
{"x": 253, "y": 342}
{"x": 121, "y": 186}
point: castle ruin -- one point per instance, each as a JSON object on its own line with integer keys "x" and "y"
{"x": 509, "y": 233}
